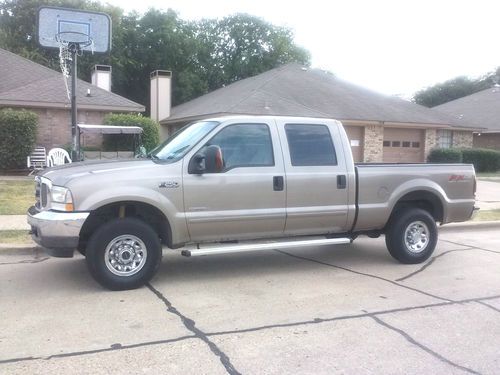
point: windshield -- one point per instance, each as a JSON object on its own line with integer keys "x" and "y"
{"x": 181, "y": 142}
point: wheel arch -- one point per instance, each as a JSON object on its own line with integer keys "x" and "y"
{"x": 127, "y": 208}
{"x": 427, "y": 200}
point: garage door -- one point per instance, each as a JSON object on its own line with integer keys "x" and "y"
{"x": 403, "y": 145}
{"x": 356, "y": 137}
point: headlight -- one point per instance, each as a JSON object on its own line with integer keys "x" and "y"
{"x": 61, "y": 199}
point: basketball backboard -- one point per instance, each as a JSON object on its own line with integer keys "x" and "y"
{"x": 91, "y": 30}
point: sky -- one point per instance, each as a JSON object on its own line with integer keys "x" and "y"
{"x": 393, "y": 47}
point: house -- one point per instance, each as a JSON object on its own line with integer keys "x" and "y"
{"x": 28, "y": 85}
{"x": 481, "y": 109}
{"x": 381, "y": 128}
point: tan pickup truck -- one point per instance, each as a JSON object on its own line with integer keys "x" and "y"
{"x": 244, "y": 183}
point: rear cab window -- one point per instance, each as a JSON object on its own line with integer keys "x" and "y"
{"x": 310, "y": 145}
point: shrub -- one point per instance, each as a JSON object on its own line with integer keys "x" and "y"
{"x": 150, "y": 135}
{"x": 17, "y": 137}
{"x": 445, "y": 155}
{"x": 484, "y": 160}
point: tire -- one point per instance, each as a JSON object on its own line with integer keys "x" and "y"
{"x": 411, "y": 236}
{"x": 123, "y": 254}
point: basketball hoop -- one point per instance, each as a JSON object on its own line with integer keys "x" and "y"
{"x": 71, "y": 42}
{"x": 72, "y": 32}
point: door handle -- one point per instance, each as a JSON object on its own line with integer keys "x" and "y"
{"x": 341, "y": 181}
{"x": 278, "y": 183}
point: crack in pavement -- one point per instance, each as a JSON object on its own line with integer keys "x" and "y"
{"x": 488, "y": 305}
{"x": 113, "y": 347}
{"x": 365, "y": 274}
{"x": 198, "y": 333}
{"x": 422, "y": 346}
{"x": 431, "y": 262}
{"x": 474, "y": 247}
{"x": 254, "y": 329}
{"x": 352, "y": 316}
{"x": 27, "y": 261}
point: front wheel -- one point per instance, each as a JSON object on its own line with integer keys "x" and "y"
{"x": 123, "y": 254}
{"x": 411, "y": 235}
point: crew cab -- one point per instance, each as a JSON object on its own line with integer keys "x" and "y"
{"x": 242, "y": 183}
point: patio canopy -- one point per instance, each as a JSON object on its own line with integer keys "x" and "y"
{"x": 109, "y": 129}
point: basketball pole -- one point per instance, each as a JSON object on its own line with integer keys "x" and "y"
{"x": 74, "y": 131}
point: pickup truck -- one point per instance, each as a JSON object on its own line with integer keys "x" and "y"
{"x": 242, "y": 183}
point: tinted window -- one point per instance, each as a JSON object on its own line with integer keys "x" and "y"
{"x": 310, "y": 145}
{"x": 245, "y": 145}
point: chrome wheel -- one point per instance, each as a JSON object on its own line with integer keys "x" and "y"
{"x": 417, "y": 237}
{"x": 125, "y": 255}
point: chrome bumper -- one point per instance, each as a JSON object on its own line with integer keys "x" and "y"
{"x": 57, "y": 232}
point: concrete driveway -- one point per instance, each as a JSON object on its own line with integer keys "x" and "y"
{"x": 349, "y": 309}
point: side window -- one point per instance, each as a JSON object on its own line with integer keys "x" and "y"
{"x": 245, "y": 145}
{"x": 310, "y": 145}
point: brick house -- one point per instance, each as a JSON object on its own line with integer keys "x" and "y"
{"x": 481, "y": 109}
{"x": 380, "y": 128}
{"x": 28, "y": 85}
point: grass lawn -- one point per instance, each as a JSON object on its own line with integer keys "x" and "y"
{"x": 16, "y": 197}
{"x": 489, "y": 215}
{"x": 15, "y": 237}
{"x": 488, "y": 174}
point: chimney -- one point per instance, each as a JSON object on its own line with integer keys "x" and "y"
{"x": 101, "y": 77}
{"x": 160, "y": 94}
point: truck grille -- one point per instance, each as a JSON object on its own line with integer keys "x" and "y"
{"x": 41, "y": 193}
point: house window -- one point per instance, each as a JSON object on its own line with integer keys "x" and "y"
{"x": 444, "y": 138}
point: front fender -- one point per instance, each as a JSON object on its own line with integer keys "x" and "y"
{"x": 172, "y": 212}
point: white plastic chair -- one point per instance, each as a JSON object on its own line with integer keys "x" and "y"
{"x": 57, "y": 156}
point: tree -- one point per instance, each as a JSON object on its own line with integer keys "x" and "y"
{"x": 455, "y": 88}
{"x": 242, "y": 46}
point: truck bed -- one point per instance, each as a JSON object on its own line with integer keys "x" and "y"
{"x": 450, "y": 187}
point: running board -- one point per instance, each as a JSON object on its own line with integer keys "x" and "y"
{"x": 232, "y": 248}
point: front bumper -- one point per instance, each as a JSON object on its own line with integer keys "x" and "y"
{"x": 57, "y": 232}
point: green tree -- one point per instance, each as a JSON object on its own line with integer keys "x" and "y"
{"x": 241, "y": 46}
{"x": 455, "y": 88}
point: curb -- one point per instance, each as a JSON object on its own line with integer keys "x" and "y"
{"x": 19, "y": 249}
{"x": 471, "y": 225}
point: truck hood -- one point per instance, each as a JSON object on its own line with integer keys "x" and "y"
{"x": 63, "y": 174}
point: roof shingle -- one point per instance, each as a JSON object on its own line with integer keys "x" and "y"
{"x": 296, "y": 91}
{"x": 479, "y": 109}
{"x": 27, "y": 83}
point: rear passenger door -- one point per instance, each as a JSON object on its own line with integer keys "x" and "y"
{"x": 316, "y": 180}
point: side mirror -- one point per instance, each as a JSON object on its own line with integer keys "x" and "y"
{"x": 210, "y": 160}
{"x": 197, "y": 164}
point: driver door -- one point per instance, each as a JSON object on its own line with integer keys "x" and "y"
{"x": 247, "y": 198}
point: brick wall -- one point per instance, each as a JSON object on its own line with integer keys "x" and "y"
{"x": 373, "y": 142}
{"x": 54, "y": 127}
{"x": 430, "y": 141}
{"x": 462, "y": 139}
{"x": 486, "y": 140}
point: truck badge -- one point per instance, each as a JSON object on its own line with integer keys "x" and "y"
{"x": 168, "y": 185}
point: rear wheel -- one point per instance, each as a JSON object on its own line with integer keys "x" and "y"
{"x": 123, "y": 254}
{"x": 411, "y": 236}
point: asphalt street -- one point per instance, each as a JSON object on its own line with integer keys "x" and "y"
{"x": 346, "y": 309}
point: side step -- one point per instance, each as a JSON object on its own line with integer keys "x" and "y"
{"x": 259, "y": 246}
